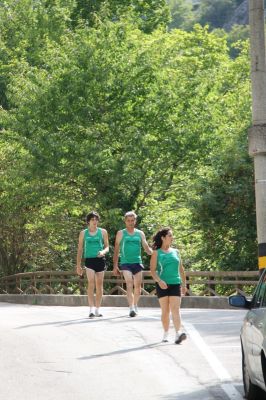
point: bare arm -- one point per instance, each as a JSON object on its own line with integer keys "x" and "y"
{"x": 79, "y": 253}
{"x": 153, "y": 264}
{"x": 145, "y": 245}
{"x": 183, "y": 277}
{"x": 116, "y": 252}
{"x": 106, "y": 244}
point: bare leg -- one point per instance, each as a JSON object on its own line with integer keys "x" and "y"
{"x": 165, "y": 312}
{"x": 129, "y": 282}
{"x": 90, "y": 276}
{"x": 137, "y": 287}
{"x": 99, "y": 288}
{"x": 175, "y": 302}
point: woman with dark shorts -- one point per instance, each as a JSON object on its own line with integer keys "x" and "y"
{"x": 92, "y": 247}
{"x": 168, "y": 272}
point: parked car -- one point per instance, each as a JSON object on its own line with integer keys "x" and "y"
{"x": 253, "y": 340}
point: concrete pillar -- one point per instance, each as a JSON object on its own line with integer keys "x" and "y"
{"x": 257, "y": 134}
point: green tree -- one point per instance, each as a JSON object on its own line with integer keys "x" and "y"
{"x": 211, "y": 207}
{"x": 224, "y": 204}
{"x": 148, "y": 14}
{"x": 26, "y": 28}
{"x": 235, "y": 37}
{"x": 215, "y": 12}
{"x": 106, "y": 111}
{"x": 111, "y": 118}
{"x": 182, "y": 16}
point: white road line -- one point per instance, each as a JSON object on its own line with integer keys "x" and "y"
{"x": 220, "y": 323}
{"x": 226, "y": 347}
{"x": 213, "y": 361}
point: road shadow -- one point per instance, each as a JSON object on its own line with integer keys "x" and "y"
{"x": 212, "y": 392}
{"x": 78, "y": 321}
{"x": 87, "y": 320}
{"x": 123, "y": 351}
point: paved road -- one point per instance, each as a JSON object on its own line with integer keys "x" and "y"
{"x": 57, "y": 353}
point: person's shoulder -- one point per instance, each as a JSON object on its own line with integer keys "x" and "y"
{"x": 104, "y": 231}
{"x": 82, "y": 233}
{"x": 140, "y": 232}
{"x": 176, "y": 250}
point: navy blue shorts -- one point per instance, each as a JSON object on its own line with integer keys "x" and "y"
{"x": 172, "y": 290}
{"x": 133, "y": 268}
{"x": 96, "y": 263}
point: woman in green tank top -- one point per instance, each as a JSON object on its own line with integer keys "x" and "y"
{"x": 168, "y": 272}
{"x": 93, "y": 246}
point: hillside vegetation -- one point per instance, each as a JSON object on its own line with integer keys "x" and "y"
{"x": 104, "y": 107}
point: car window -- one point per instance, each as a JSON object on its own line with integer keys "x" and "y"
{"x": 259, "y": 298}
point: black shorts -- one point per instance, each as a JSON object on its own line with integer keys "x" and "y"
{"x": 133, "y": 268}
{"x": 172, "y": 290}
{"x": 96, "y": 263}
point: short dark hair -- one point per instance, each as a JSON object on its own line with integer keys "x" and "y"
{"x": 92, "y": 214}
{"x": 157, "y": 238}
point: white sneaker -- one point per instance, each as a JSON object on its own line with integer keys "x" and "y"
{"x": 179, "y": 337}
{"x": 136, "y": 309}
{"x": 165, "y": 337}
{"x": 98, "y": 314}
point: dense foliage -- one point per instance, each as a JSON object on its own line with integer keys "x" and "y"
{"x": 215, "y": 13}
{"x": 221, "y": 16}
{"x": 105, "y": 109}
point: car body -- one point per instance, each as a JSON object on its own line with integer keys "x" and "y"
{"x": 253, "y": 340}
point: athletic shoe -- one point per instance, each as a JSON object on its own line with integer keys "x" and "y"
{"x": 165, "y": 337}
{"x": 180, "y": 337}
{"x": 98, "y": 314}
{"x": 91, "y": 315}
{"x": 136, "y": 309}
{"x": 132, "y": 313}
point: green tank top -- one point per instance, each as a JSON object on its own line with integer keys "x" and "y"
{"x": 130, "y": 247}
{"x": 92, "y": 244}
{"x": 168, "y": 266}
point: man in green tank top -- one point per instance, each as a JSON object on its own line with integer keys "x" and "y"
{"x": 128, "y": 245}
{"x": 92, "y": 247}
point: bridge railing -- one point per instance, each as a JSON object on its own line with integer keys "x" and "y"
{"x": 200, "y": 283}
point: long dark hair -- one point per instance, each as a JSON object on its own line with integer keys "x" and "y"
{"x": 157, "y": 238}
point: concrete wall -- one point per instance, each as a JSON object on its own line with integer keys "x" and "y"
{"x": 111, "y": 301}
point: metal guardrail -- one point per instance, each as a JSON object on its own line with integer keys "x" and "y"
{"x": 200, "y": 283}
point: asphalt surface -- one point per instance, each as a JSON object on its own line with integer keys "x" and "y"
{"x": 58, "y": 353}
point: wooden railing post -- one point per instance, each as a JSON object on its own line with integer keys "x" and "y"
{"x": 187, "y": 285}
{"x": 212, "y": 286}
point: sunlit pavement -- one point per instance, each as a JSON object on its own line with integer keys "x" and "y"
{"x": 59, "y": 353}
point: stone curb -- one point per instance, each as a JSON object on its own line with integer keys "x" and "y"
{"x": 112, "y": 300}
